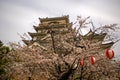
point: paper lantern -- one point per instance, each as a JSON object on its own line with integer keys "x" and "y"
{"x": 82, "y": 62}
{"x": 109, "y": 53}
{"x": 92, "y": 60}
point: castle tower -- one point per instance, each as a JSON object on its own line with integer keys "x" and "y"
{"x": 48, "y": 29}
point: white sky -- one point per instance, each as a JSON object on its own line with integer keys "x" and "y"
{"x": 18, "y": 16}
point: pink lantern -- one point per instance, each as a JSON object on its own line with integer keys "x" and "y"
{"x": 92, "y": 60}
{"x": 109, "y": 53}
{"x": 82, "y": 62}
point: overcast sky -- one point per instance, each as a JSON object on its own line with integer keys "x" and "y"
{"x": 18, "y": 16}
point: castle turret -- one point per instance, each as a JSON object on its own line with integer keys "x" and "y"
{"x": 47, "y": 28}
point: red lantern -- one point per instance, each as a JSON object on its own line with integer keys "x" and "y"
{"x": 82, "y": 62}
{"x": 92, "y": 60}
{"x": 109, "y": 53}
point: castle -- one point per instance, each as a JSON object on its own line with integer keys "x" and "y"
{"x": 51, "y": 32}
